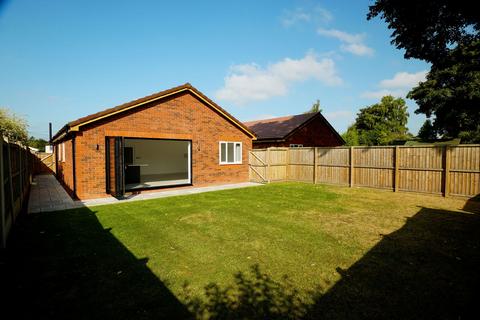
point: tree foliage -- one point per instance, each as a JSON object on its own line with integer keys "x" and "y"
{"x": 452, "y": 94}
{"x": 428, "y": 30}
{"x": 379, "y": 124}
{"x": 315, "y": 107}
{"x": 427, "y": 132}
{"x": 38, "y": 143}
{"x": 351, "y": 136}
{"x": 447, "y": 34}
{"x": 13, "y": 126}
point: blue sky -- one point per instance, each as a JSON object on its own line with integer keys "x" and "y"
{"x": 61, "y": 60}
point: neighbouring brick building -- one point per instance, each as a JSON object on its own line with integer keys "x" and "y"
{"x": 177, "y": 137}
{"x": 302, "y": 130}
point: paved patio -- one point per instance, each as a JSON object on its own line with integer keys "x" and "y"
{"x": 48, "y": 195}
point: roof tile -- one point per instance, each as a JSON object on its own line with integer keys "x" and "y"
{"x": 278, "y": 128}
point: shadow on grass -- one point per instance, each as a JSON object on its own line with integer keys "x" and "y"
{"x": 473, "y": 204}
{"x": 65, "y": 265}
{"x": 428, "y": 269}
{"x": 254, "y": 295}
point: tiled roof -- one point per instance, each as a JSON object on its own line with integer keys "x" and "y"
{"x": 278, "y": 128}
{"x": 158, "y": 95}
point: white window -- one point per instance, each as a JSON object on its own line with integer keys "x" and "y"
{"x": 230, "y": 152}
{"x": 295, "y": 145}
{"x": 63, "y": 152}
{"x": 59, "y": 152}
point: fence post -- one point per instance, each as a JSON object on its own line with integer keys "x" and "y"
{"x": 351, "y": 166}
{"x": 20, "y": 174}
{"x": 446, "y": 178}
{"x": 3, "y": 231}
{"x": 315, "y": 152}
{"x": 396, "y": 168}
{"x": 287, "y": 165}
{"x": 267, "y": 174}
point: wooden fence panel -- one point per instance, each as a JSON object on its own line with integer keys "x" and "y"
{"x": 333, "y": 165}
{"x": 443, "y": 170}
{"x": 277, "y": 169}
{"x": 464, "y": 170}
{"x": 16, "y": 173}
{"x": 374, "y": 167}
{"x": 300, "y": 172}
{"x": 46, "y": 165}
{"x": 421, "y": 169}
{"x": 300, "y": 164}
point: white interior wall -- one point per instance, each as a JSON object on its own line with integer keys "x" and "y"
{"x": 162, "y": 156}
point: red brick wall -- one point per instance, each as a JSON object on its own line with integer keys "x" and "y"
{"x": 315, "y": 133}
{"x": 179, "y": 117}
{"x": 65, "y": 168}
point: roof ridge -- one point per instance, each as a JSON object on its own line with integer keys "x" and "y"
{"x": 286, "y": 116}
{"x": 149, "y": 98}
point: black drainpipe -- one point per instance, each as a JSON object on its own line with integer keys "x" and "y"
{"x": 73, "y": 169}
{"x": 55, "y": 153}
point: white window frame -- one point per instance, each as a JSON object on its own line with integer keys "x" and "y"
{"x": 296, "y": 145}
{"x": 226, "y": 150}
{"x": 61, "y": 152}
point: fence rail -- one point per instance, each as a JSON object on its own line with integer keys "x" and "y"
{"x": 442, "y": 170}
{"x": 16, "y": 171}
{"x": 45, "y": 163}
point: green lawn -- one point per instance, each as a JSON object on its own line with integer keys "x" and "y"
{"x": 347, "y": 253}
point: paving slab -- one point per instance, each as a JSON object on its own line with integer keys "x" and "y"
{"x": 47, "y": 194}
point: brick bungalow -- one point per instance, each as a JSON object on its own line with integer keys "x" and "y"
{"x": 301, "y": 130}
{"x": 174, "y": 138}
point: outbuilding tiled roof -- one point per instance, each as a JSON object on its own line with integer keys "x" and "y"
{"x": 278, "y": 128}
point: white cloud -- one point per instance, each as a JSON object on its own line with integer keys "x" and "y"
{"x": 295, "y": 16}
{"x": 250, "y": 82}
{"x": 358, "y": 49}
{"x": 302, "y": 15}
{"x": 404, "y": 80}
{"x": 398, "y": 86}
{"x": 352, "y": 43}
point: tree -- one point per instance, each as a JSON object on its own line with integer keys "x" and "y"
{"x": 12, "y": 126}
{"x": 38, "y": 143}
{"x": 379, "y": 124}
{"x": 427, "y": 132}
{"x": 428, "y": 30}
{"x": 452, "y": 94}
{"x": 315, "y": 107}
{"x": 351, "y": 136}
{"x": 447, "y": 34}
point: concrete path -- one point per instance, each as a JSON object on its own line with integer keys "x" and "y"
{"x": 48, "y": 195}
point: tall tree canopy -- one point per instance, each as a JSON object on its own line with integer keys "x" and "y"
{"x": 13, "y": 126}
{"x": 445, "y": 33}
{"x": 428, "y": 30}
{"x": 452, "y": 94}
{"x": 379, "y": 124}
{"x": 427, "y": 132}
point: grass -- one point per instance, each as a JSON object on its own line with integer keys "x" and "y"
{"x": 348, "y": 253}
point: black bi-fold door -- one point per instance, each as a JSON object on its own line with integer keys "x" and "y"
{"x": 114, "y": 166}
